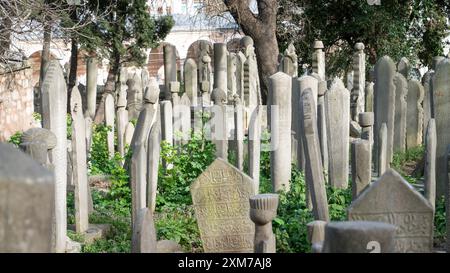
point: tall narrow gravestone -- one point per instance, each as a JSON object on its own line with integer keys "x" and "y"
{"x": 414, "y": 117}
{"x": 26, "y": 203}
{"x": 109, "y": 121}
{"x": 54, "y": 109}
{"x": 220, "y": 196}
{"x": 401, "y": 90}
{"x": 394, "y": 201}
{"x": 337, "y": 106}
{"x": 91, "y": 85}
{"x": 441, "y": 90}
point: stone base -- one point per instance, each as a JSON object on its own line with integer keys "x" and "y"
{"x": 94, "y": 232}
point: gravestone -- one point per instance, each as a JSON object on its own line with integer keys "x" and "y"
{"x": 289, "y": 63}
{"x": 153, "y": 157}
{"x": 36, "y": 142}
{"x": 403, "y": 67}
{"x": 109, "y": 121}
{"x": 221, "y": 202}
{"x": 252, "y": 96}
{"x": 144, "y": 233}
{"x": 392, "y": 200}
{"x": 54, "y": 109}
{"x": 232, "y": 65}
{"x": 337, "y": 110}
{"x": 279, "y": 99}
{"x": 401, "y": 90}
{"x": 313, "y": 164}
{"x": 88, "y": 123}
{"x": 129, "y": 131}
{"x": 254, "y": 146}
{"x": 359, "y": 81}
{"x": 384, "y": 98}
{"x": 263, "y": 209}
{"x": 430, "y": 163}
{"x": 382, "y": 160}
{"x": 79, "y": 162}
{"x": 239, "y": 132}
{"x": 318, "y": 59}
{"x": 27, "y": 203}
{"x": 359, "y": 237}
{"x": 190, "y": 80}
{"x": 427, "y": 98}
{"x": 122, "y": 121}
{"x": 369, "y": 97}
{"x": 219, "y": 123}
{"x": 361, "y": 166}
{"x": 414, "y": 120}
{"x": 441, "y": 90}
{"x": 134, "y": 101}
{"x": 316, "y": 235}
{"x": 447, "y": 198}
{"x": 91, "y": 85}
{"x": 366, "y": 120}
{"x": 321, "y": 120}
{"x": 167, "y": 121}
{"x": 170, "y": 68}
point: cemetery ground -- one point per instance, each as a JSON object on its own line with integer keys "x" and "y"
{"x": 174, "y": 215}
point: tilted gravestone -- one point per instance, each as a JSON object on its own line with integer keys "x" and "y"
{"x": 26, "y": 202}
{"x": 221, "y": 202}
{"x": 54, "y": 109}
{"x": 393, "y": 200}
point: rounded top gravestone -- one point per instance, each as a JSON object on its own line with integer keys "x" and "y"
{"x": 246, "y": 41}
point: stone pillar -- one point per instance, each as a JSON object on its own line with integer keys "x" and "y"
{"x": 383, "y": 164}
{"x": 428, "y": 93}
{"x": 219, "y": 123}
{"x": 313, "y": 167}
{"x": 359, "y": 81}
{"x": 220, "y": 67}
{"x": 88, "y": 123}
{"x": 109, "y": 121}
{"x": 369, "y": 97}
{"x": 79, "y": 163}
{"x": 359, "y": 237}
{"x": 401, "y": 90}
{"x": 190, "y": 80}
{"x": 316, "y": 235}
{"x": 263, "y": 209}
{"x": 54, "y": 109}
{"x": 337, "y": 106}
{"x": 385, "y": 102}
{"x": 322, "y": 124}
{"x": 153, "y": 156}
{"x": 232, "y": 66}
{"x": 414, "y": 117}
{"x": 239, "y": 132}
{"x": 280, "y": 115}
{"x": 318, "y": 59}
{"x": 441, "y": 91}
{"x": 361, "y": 166}
{"x": 170, "y": 68}
{"x": 91, "y": 85}
{"x": 27, "y": 200}
{"x": 166, "y": 121}
{"x": 122, "y": 121}
{"x": 144, "y": 233}
{"x": 366, "y": 120}
{"x": 289, "y": 64}
{"x": 430, "y": 163}
{"x": 254, "y": 147}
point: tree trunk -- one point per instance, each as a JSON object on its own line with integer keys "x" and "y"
{"x": 73, "y": 71}
{"x": 45, "y": 56}
{"x": 109, "y": 86}
{"x": 262, "y": 28}
{"x": 5, "y": 35}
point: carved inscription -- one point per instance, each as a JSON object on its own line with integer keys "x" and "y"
{"x": 220, "y": 196}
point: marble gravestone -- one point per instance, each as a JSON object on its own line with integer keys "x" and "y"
{"x": 394, "y": 201}
{"x": 220, "y": 196}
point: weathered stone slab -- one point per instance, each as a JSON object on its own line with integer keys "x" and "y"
{"x": 54, "y": 110}
{"x": 359, "y": 237}
{"x": 361, "y": 166}
{"x": 289, "y": 63}
{"x": 144, "y": 233}
{"x": 109, "y": 121}
{"x": 414, "y": 117}
{"x": 441, "y": 90}
{"x": 393, "y": 200}
{"x": 220, "y": 196}
{"x": 369, "y": 105}
{"x": 190, "y": 80}
{"x": 121, "y": 121}
{"x": 401, "y": 90}
{"x": 430, "y": 163}
{"x": 36, "y": 142}
{"x": 220, "y": 67}
{"x": 316, "y": 235}
{"x": 382, "y": 160}
{"x": 91, "y": 85}
{"x": 359, "y": 81}
{"x": 170, "y": 68}
{"x": 337, "y": 109}
{"x": 26, "y": 201}
{"x": 318, "y": 59}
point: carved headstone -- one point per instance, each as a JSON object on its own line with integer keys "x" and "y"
{"x": 361, "y": 166}
{"x": 393, "y": 200}
{"x": 220, "y": 196}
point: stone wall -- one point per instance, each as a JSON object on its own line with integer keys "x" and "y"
{"x": 16, "y": 102}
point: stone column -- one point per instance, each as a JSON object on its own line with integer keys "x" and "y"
{"x": 54, "y": 109}
{"x": 359, "y": 81}
{"x": 313, "y": 167}
{"x": 79, "y": 162}
{"x": 385, "y": 102}
{"x": 280, "y": 115}
{"x": 91, "y": 85}
{"x": 316, "y": 235}
{"x": 220, "y": 67}
{"x": 219, "y": 123}
{"x": 122, "y": 121}
{"x": 109, "y": 121}
{"x": 441, "y": 91}
{"x": 254, "y": 146}
{"x": 337, "y": 106}
{"x": 190, "y": 80}
{"x": 166, "y": 121}
{"x": 366, "y": 120}
{"x": 27, "y": 200}
{"x": 430, "y": 163}
{"x": 170, "y": 68}
{"x": 239, "y": 132}
{"x": 383, "y": 164}
{"x": 153, "y": 156}
{"x": 232, "y": 66}
{"x": 428, "y": 92}
{"x": 322, "y": 124}
{"x": 401, "y": 90}
{"x": 414, "y": 117}
{"x": 369, "y": 97}
{"x": 361, "y": 166}
{"x": 289, "y": 64}
{"x": 318, "y": 59}
{"x": 263, "y": 209}
{"x": 359, "y": 237}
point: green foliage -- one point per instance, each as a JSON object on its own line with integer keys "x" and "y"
{"x": 400, "y": 159}
{"x": 184, "y": 163}
{"x": 15, "y": 139}
{"x": 411, "y": 28}
{"x": 99, "y": 161}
